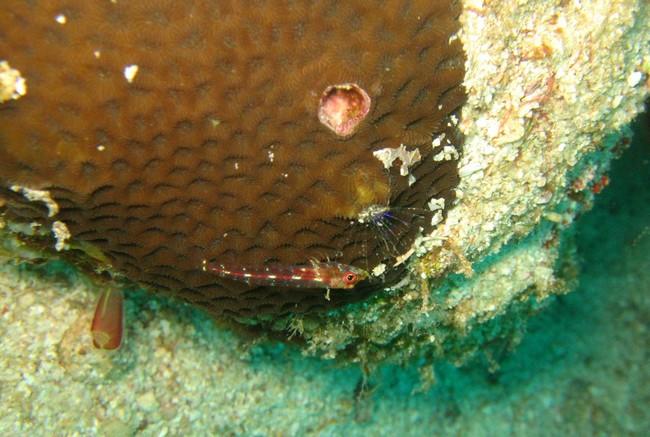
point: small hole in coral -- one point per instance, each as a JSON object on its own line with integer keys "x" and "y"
{"x": 343, "y": 107}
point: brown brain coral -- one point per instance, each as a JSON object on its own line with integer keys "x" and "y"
{"x": 173, "y": 132}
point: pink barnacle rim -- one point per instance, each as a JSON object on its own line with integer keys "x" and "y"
{"x": 343, "y": 107}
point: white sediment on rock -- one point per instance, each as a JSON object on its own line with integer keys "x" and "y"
{"x": 490, "y": 292}
{"x": 537, "y": 105}
{"x": 38, "y": 196}
{"x": 12, "y": 85}
{"x": 407, "y": 158}
{"x": 61, "y": 235}
{"x": 130, "y": 71}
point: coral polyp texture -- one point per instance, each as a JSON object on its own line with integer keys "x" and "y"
{"x": 168, "y": 134}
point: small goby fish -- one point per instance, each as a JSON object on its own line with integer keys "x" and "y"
{"x": 317, "y": 275}
{"x": 108, "y": 323}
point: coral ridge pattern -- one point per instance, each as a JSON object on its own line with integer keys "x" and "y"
{"x": 168, "y": 133}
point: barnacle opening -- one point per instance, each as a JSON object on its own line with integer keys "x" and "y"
{"x": 342, "y": 107}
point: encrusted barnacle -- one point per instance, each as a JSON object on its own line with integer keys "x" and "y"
{"x": 167, "y": 138}
{"x": 342, "y": 107}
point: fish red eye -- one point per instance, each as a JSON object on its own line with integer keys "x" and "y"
{"x": 350, "y": 278}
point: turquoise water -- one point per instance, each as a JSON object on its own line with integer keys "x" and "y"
{"x": 582, "y": 368}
